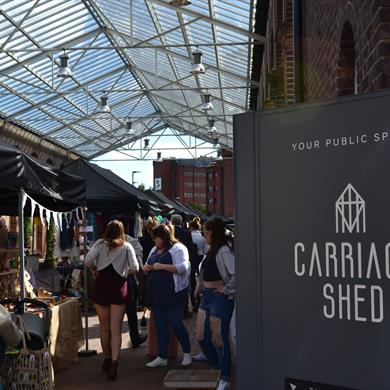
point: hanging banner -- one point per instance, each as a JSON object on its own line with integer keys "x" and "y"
{"x": 59, "y": 216}
{"x": 41, "y": 209}
{"x": 314, "y": 243}
{"x": 33, "y": 205}
{"x": 45, "y": 214}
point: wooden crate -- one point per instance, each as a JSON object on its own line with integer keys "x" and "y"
{"x": 192, "y": 379}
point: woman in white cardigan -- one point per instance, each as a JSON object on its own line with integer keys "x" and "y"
{"x": 111, "y": 260}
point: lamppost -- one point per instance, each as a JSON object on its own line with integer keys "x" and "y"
{"x": 132, "y": 176}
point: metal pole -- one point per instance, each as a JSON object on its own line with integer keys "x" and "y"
{"x": 87, "y": 352}
{"x": 21, "y": 242}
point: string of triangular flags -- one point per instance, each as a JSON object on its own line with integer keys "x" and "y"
{"x": 46, "y": 214}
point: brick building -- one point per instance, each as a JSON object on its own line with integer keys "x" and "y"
{"x": 317, "y": 50}
{"x": 206, "y": 182}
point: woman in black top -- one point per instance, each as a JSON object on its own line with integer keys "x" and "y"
{"x": 217, "y": 300}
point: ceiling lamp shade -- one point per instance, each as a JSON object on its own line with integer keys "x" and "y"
{"x": 129, "y": 127}
{"x": 146, "y": 143}
{"x": 180, "y": 3}
{"x": 197, "y": 66}
{"x": 103, "y": 106}
{"x": 159, "y": 158}
{"x": 64, "y": 71}
{"x": 219, "y": 155}
{"x": 212, "y": 129}
{"x": 206, "y": 105}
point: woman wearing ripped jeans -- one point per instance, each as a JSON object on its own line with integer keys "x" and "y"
{"x": 217, "y": 288}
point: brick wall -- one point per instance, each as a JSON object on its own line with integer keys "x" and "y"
{"x": 228, "y": 184}
{"x": 34, "y": 145}
{"x": 277, "y": 76}
{"x": 166, "y": 171}
{"x": 327, "y": 72}
{"x": 210, "y": 186}
{"x": 323, "y": 26}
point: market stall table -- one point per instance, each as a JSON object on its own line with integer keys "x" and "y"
{"x": 66, "y": 333}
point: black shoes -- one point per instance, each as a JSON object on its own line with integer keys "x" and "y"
{"x": 141, "y": 339}
{"x": 112, "y": 370}
{"x": 106, "y": 364}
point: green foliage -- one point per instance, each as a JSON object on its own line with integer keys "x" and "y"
{"x": 199, "y": 207}
{"x": 276, "y": 80}
{"x": 28, "y": 229}
{"x": 142, "y": 187}
{"x": 50, "y": 260}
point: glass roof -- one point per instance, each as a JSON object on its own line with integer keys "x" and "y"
{"x": 137, "y": 53}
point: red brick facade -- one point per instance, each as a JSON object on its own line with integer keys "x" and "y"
{"x": 208, "y": 183}
{"x": 344, "y": 49}
{"x": 34, "y": 145}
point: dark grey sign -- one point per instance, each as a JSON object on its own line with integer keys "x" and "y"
{"x": 313, "y": 247}
{"x": 297, "y": 384}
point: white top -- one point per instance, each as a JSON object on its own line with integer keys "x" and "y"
{"x": 200, "y": 242}
{"x": 122, "y": 258}
{"x": 180, "y": 260}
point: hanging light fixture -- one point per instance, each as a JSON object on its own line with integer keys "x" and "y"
{"x": 206, "y": 102}
{"x": 212, "y": 129}
{"x": 159, "y": 158}
{"x": 146, "y": 143}
{"x": 219, "y": 155}
{"x": 64, "y": 71}
{"x": 180, "y": 3}
{"x": 197, "y": 66}
{"x": 129, "y": 127}
{"x": 103, "y": 106}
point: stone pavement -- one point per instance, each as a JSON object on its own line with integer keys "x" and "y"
{"x": 86, "y": 374}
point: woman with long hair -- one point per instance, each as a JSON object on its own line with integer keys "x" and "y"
{"x": 217, "y": 285}
{"x": 201, "y": 250}
{"x": 167, "y": 291}
{"x": 111, "y": 260}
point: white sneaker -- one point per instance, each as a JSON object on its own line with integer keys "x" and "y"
{"x": 187, "y": 359}
{"x": 200, "y": 357}
{"x": 158, "y": 362}
{"x": 223, "y": 385}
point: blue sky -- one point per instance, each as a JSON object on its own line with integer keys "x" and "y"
{"x": 124, "y": 168}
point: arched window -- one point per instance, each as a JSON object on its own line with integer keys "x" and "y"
{"x": 346, "y": 72}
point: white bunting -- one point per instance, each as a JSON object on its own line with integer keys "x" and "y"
{"x": 33, "y": 205}
{"x": 55, "y": 218}
{"x": 59, "y": 215}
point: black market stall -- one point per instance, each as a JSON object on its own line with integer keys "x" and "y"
{"x": 30, "y": 187}
{"x": 171, "y": 206}
{"x": 107, "y": 192}
{"x": 23, "y": 177}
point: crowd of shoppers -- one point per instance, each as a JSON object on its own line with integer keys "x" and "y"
{"x": 172, "y": 264}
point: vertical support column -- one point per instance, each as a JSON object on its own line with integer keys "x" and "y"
{"x": 21, "y": 197}
{"x": 248, "y": 266}
{"x": 87, "y": 352}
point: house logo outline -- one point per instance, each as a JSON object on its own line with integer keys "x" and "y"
{"x": 350, "y": 212}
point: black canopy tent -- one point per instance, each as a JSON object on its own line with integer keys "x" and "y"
{"x": 178, "y": 207}
{"x": 51, "y": 188}
{"x": 191, "y": 211}
{"x": 107, "y": 192}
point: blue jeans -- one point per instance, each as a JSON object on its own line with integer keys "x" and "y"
{"x": 213, "y": 324}
{"x": 173, "y": 315}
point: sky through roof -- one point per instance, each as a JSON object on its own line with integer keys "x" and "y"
{"x": 138, "y": 53}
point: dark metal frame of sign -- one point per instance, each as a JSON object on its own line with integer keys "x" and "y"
{"x": 313, "y": 245}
